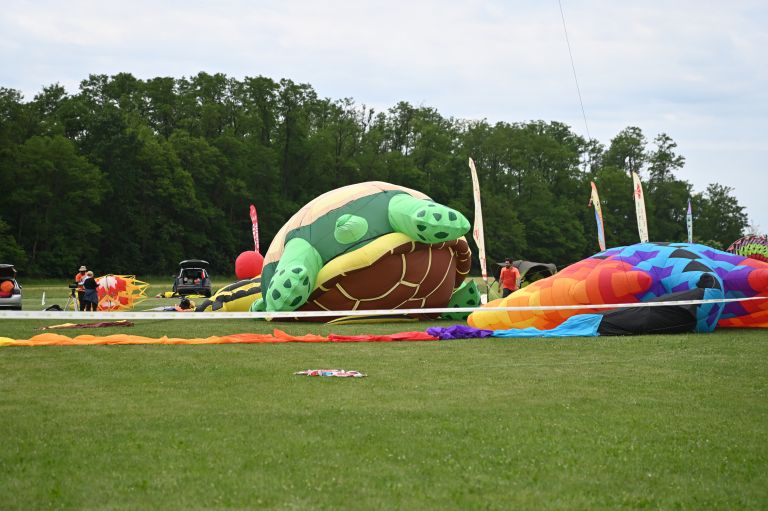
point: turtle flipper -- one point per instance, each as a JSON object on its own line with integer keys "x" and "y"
{"x": 294, "y": 278}
{"x": 424, "y": 220}
{"x": 467, "y": 295}
{"x": 258, "y": 306}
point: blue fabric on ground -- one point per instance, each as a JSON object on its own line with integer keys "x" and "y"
{"x": 581, "y": 325}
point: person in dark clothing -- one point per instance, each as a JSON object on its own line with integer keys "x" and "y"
{"x": 91, "y": 295}
{"x": 79, "y": 278}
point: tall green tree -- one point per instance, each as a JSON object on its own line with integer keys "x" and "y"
{"x": 54, "y": 206}
{"x": 718, "y": 219}
{"x": 667, "y": 195}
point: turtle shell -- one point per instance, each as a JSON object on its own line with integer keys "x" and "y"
{"x": 326, "y": 203}
{"x": 408, "y": 275}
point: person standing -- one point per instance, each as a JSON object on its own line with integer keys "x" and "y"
{"x": 509, "y": 280}
{"x": 79, "y": 278}
{"x": 91, "y": 295}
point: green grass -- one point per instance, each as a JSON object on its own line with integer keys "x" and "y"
{"x": 648, "y": 422}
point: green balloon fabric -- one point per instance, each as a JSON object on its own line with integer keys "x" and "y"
{"x": 294, "y": 277}
{"x": 467, "y": 295}
{"x": 350, "y": 228}
{"x": 426, "y": 221}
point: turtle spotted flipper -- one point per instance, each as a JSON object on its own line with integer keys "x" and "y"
{"x": 467, "y": 295}
{"x": 294, "y": 277}
{"x": 426, "y": 221}
{"x": 258, "y": 305}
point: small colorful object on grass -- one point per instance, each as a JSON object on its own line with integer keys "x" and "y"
{"x": 339, "y": 373}
{"x": 103, "y": 324}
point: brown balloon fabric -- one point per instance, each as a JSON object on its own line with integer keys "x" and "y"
{"x": 410, "y": 276}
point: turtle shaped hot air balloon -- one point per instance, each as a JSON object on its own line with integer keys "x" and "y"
{"x": 367, "y": 246}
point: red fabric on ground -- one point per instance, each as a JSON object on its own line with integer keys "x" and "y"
{"x": 402, "y": 336}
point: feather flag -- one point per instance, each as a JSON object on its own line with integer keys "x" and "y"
{"x": 594, "y": 201}
{"x": 477, "y": 231}
{"x": 255, "y": 223}
{"x": 642, "y": 223}
{"x": 689, "y": 222}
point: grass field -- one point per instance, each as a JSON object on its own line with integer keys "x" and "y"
{"x": 648, "y": 422}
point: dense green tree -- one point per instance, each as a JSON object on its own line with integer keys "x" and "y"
{"x": 132, "y": 175}
{"x": 162, "y": 105}
{"x": 667, "y": 196}
{"x": 627, "y": 151}
{"x": 10, "y": 250}
{"x": 718, "y": 219}
{"x": 54, "y": 205}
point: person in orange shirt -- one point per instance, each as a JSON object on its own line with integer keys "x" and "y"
{"x": 509, "y": 280}
{"x": 79, "y": 278}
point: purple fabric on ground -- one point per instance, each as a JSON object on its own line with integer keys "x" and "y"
{"x": 458, "y": 332}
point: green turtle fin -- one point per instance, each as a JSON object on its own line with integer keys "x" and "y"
{"x": 424, "y": 220}
{"x": 466, "y": 295}
{"x": 258, "y": 306}
{"x": 294, "y": 277}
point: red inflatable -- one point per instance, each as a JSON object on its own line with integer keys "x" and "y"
{"x": 248, "y": 265}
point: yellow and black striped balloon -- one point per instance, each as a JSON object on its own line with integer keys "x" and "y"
{"x": 235, "y": 297}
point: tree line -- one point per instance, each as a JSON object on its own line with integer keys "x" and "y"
{"x": 132, "y": 176}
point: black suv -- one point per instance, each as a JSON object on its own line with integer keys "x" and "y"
{"x": 193, "y": 278}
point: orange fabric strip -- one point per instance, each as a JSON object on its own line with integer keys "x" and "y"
{"x": 278, "y": 336}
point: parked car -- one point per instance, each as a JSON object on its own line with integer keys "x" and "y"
{"x": 193, "y": 278}
{"x": 10, "y": 290}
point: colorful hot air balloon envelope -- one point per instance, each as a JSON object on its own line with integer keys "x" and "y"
{"x": 636, "y": 274}
{"x": 753, "y": 246}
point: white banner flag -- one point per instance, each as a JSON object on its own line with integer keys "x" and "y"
{"x": 642, "y": 223}
{"x": 689, "y": 222}
{"x": 477, "y": 231}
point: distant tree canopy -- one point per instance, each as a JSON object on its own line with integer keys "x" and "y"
{"x": 134, "y": 175}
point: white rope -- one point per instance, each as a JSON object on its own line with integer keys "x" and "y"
{"x": 321, "y": 314}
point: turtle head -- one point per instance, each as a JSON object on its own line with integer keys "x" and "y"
{"x": 425, "y": 220}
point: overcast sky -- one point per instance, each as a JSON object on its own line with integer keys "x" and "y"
{"x": 694, "y": 69}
